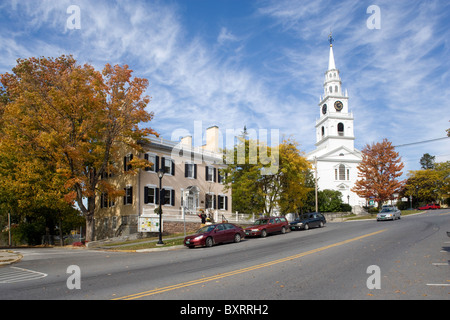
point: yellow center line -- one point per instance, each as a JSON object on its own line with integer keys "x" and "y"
{"x": 243, "y": 270}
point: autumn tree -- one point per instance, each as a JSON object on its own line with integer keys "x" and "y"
{"x": 379, "y": 171}
{"x": 76, "y": 119}
{"x": 260, "y": 186}
{"x": 429, "y": 185}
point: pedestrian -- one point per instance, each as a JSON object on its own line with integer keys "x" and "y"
{"x": 202, "y": 216}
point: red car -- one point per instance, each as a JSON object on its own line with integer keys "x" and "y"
{"x": 430, "y": 206}
{"x": 264, "y": 226}
{"x": 214, "y": 234}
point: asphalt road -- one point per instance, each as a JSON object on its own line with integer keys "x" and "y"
{"x": 403, "y": 259}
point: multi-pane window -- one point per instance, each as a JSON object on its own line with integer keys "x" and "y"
{"x": 222, "y": 202}
{"x": 154, "y": 159}
{"x": 210, "y": 174}
{"x": 190, "y": 170}
{"x": 128, "y": 197}
{"x": 150, "y": 194}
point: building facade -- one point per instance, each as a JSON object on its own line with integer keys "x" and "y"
{"x": 192, "y": 181}
{"x": 335, "y": 157}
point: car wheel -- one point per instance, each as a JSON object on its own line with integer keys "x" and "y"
{"x": 263, "y": 233}
{"x": 306, "y": 227}
{"x": 209, "y": 242}
{"x": 321, "y": 224}
{"x": 237, "y": 238}
{"x": 283, "y": 230}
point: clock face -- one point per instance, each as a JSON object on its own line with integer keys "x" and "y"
{"x": 338, "y": 105}
{"x": 324, "y": 109}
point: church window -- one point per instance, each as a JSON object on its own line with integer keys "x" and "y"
{"x": 323, "y": 131}
{"x": 348, "y": 174}
{"x": 340, "y": 129}
{"x": 341, "y": 172}
{"x": 331, "y": 89}
{"x": 335, "y": 88}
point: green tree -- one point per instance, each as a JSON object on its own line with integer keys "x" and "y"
{"x": 427, "y": 161}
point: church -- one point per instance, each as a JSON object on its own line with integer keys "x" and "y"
{"x": 335, "y": 157}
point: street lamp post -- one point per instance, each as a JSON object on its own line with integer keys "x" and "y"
{"x": 160, "y": 176}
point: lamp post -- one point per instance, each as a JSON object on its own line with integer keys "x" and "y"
{"x": 160, "y": 176}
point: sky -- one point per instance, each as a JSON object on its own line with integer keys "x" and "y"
{"x": 259, "y": 64}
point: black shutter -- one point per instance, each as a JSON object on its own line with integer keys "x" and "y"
{"x": 226, "y": 203}
{"x": 147, "y": 168}
{"x": 125, "y": 196}
{"x": 129, "y": 165}
{"x": 214, "y": 178}
{"x": 163, "y": 164}
{"x": 215, "y": 202}
{"x": 125, "y": 164}
{"x": 195, "y": 171}
{"x": 145, "y": 195}
{"x": 173, "y": 167}
{"x": 131, "y": 196}
{"x": 186, "y": 168}
{"x": 206, "y": 173}
{"x": 172, "y": 197}
{"x": 157, "y": 195}
{"x": 156, "y": 163}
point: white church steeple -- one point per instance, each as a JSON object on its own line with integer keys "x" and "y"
{"x": 335, "y": 157}
{"x": 335, "y": 126}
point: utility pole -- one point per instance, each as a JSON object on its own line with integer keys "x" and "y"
{"x": 315, "y": 182}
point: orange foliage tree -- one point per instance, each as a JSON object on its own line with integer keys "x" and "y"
{"x": 78, "y": 119}
{"x": 379, "y": 169}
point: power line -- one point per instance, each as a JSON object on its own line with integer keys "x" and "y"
{"x": 419, "y": 142}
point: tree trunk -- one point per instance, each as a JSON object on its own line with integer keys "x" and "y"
{"x": 90, "y": 222}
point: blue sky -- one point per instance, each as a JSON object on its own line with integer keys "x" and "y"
{"x": 260, "y": 64}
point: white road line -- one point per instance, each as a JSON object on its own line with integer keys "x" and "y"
{"x": 16, "y": 274}
{"x": 440, "y": 264}
{"x": 439, "y": 284}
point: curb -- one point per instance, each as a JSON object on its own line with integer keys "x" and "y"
{"x": 9, "y": 257}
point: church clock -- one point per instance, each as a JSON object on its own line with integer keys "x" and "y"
{"x": 338, "y": 105}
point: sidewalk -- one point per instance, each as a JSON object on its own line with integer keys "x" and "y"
{"x": 8, "y": 257}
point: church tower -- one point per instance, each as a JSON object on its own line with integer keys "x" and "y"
{"x": 335, "y": 125}
{"x": 335, "y": 156}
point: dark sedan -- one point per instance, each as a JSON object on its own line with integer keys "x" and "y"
{"x": 309, "y": 220}
{"x": 214, "y": 234}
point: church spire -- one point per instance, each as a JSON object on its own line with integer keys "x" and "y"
{"x": 331, "y": 64}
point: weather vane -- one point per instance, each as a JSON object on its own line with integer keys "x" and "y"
{"x": 330, "y": 38}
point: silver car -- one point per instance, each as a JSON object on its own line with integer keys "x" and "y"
{"x": 389, "y": 213}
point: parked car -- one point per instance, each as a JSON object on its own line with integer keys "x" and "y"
{"x": 212, "y": 234}
{"x": 430, "y": 206}
{"x": 389, "y": 213}
{"x": 262, "y": 227}
{"x": 309, "y": 220}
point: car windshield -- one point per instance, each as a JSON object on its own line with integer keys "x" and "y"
{"x": 387, "y": 209}
{"x": 206, "y": 229}
{"x": 261, "y": 221}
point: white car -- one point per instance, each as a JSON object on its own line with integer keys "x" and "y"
{"x": 389, "y": 213}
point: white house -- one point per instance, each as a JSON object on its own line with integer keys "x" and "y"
{"x": 335, "y": 156}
